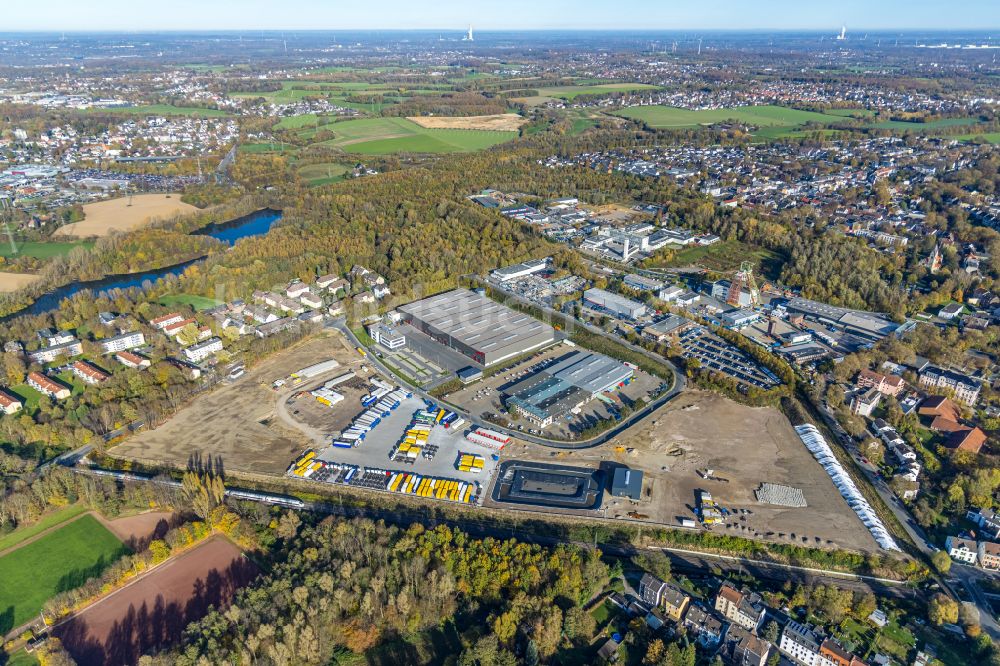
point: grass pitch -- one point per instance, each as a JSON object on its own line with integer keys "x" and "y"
{"x": 383, "y": 136}
{"x": 59, "y": 561}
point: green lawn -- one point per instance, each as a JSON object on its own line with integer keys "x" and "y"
{"x": 323, "y": 174}
{"x": 41, "y": 249}
{"x": 666, "y": 117}
{"x": 164, "y": 110}
{"x": 59, "y": 561}
{"x": 382, "y": 136}
{"x": 571, "y": 92}
{"x": 276, "y": 147}
{"x": 22, "y": 658}
{"x": 920, "y": 127}
{"x": 48, "y": 520}
{"x": 305, "y": 120}
{"x": 989, "y": 137}
{"x": 76, "y": 384}
{"x": 195, "y": 301}
{"x": 28, "y": 395}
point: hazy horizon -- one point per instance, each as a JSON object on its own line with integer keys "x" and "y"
{"x": 454, "y": 15}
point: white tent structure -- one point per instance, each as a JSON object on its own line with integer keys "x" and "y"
{"x": 817, "y": 445}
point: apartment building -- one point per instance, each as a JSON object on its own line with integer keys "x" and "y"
{"x": 89, "y": 373}
{"x": 800, "y": 643}
{"x": 10, "y": 403}
{"x": 965, "y": 388}
{"x": 884, "y": 384}
{"x": 744, "y": 610}
{"x": 122, "y": 342}
{"x": 46, "y": 386}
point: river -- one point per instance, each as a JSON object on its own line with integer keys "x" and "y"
{"x": 255, "y": 224}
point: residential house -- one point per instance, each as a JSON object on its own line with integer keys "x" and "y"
{"x": 122, "y": 342}
{"x": 988, "y": 555}
{"x": 296, "y": 289}
{"x": 203, "y": 350}
{"x": 965, "y": 388}
{"x": 9, "y": 402}
{"x": 950, "y": 311}
{"x": 365, "y": 297}
{"x": 173, "y": 328}
{"x": 864, "y": 403}
{"x": 651, "y": 589}
{"x": 741, "y": 648}
{"x": 832, "y": 653}
{"x": 311, "y": 300}
{"x": 987, "y": 520}
{"x": 46, "y": 386}
{"x": 884, "y": 384}
{"x": 962, "y": 550}
{"x": 674, "y": 601}
{"x": 938, "y": 405}
{"x": 131, "y": 360}
{"x": 50, "y": 354}
{"x": 276, "y": 326}
{"x": 165, "y": 320}
{"x": 52, "y": 338}
{"x": 800, "y": 643}
{"x": 704, "y": 625}
{"x": 331, "y": 283}
{"x": 89, "y": 372}
{"x": 743, "y": 609}
{"x": 336, "y": 308}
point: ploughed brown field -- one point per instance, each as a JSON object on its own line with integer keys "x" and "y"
{"x": 14, "y": 281}
{"x": 508, "y": 122}
{"x": 103, "y": 217}
{"x": 152, "y": 612}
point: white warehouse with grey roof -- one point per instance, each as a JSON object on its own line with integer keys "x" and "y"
{"x": 476, "y": 326}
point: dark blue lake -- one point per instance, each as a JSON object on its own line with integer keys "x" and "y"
{"x": 254, "y": 224}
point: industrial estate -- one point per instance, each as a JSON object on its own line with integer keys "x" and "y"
{"x": 491, "y": 348}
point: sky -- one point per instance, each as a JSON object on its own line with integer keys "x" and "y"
{"x": 66, "y": 15}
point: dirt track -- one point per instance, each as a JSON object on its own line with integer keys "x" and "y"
{"x": 103, "y": 217}
{"x": 153, "y": 611}
{"x": 507, "y": 122}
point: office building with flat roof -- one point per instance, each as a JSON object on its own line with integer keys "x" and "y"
{"x": 614, "y": 303}
{"x": 472, "y": 324}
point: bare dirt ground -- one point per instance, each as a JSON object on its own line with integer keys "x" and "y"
{"x": 744, "y": 445}
{"x": 137, "y": 531}
{"x": 103, "y": 217}
{"x": 152, "y": 612}
{"x": 237, "y": 422}
{"x": 507, "y": 122}
{"x": 14, "y": 281}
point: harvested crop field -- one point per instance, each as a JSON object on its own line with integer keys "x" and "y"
{"x": 745, "y": 446}
{"x": 505, "y": 122}
{"x": 138, "y": 530}
{"x": 153, "y": 611}
{"x": 14, "y": 281}
{"x": 238, "y": 423}
{"x": 104, "y": 217}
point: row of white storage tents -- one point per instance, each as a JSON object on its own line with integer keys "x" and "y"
{"x": 817, "y": 445}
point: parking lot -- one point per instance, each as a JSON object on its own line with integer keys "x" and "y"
{"x": 717, "y": 354}
{"x": 373, "y": 461}
{"x": 482, "y": 399}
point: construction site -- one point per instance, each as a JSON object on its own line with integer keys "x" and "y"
{"x": 702, "y": 446}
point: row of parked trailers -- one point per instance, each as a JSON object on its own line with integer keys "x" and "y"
{"x": 426, "y": 486}
{"x": 412, "y": 443}
{"x": 470, "y": 462}
{"x": 450, "y": 490}
{"x": 370, "y": 418}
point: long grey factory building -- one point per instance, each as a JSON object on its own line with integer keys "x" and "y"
{"x": 473, "y": 324}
